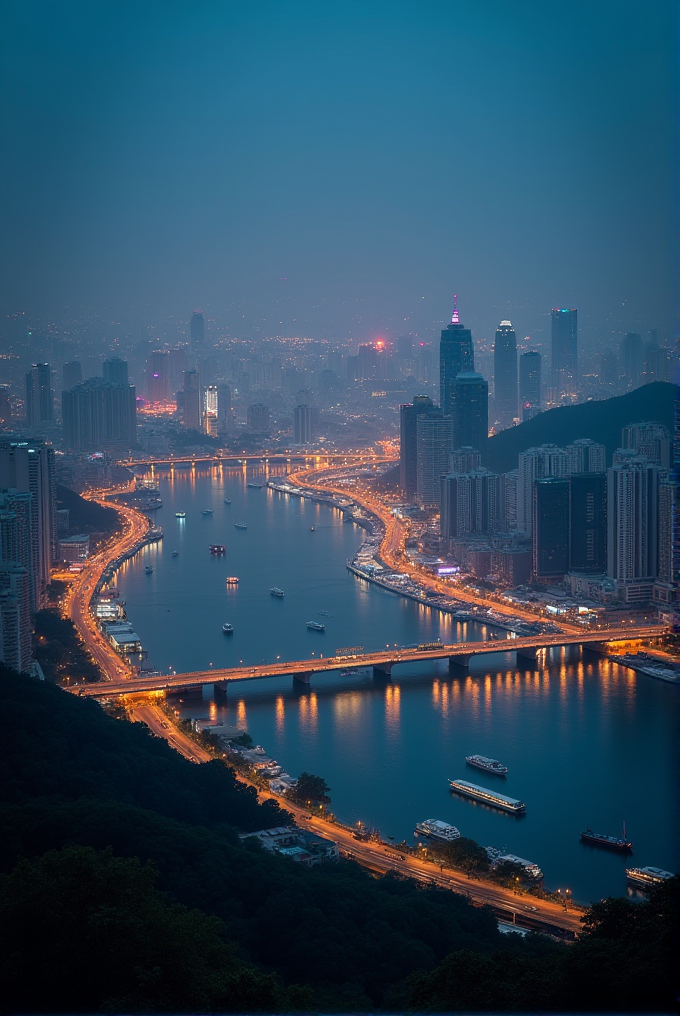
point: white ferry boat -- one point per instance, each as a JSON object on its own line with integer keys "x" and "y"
{"x": 240, "y": 525}
{"x": 645, "y": 878}
{"x": 498, "y": 856}
{"x": 490, "y": 797}
{"x": 437, "y": 830}
{"x": 227, "y": 628}
{"x": 206, "y": 512}
{"x": 490, "y": 765}
{"x": 315, "y": 626}
{"x": 276, "y": 591}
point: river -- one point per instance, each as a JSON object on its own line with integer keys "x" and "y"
{"x": 587, "y": 742}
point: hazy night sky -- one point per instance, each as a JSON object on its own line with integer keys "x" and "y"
{"x": 339, "y": 169}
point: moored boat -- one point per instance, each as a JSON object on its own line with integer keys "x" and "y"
{"x": 606, "y": 841}
{"x": 240, "y": 525}
{"x": 148, "y": 570}
{"x": 647, "y": 877}
{"x": 231, "y": 580}
{"x": 486, "y": 796}
{"x": 175, "y": 553}
{"x": 255, "y": 486}
{"x": 206, "y": 512}
{"x": 489, "y": 765}
{"x": 227, "y": 500}
{"x": 218, "y": 548}
{"x": 228, "y": 629}
{"x": 275, "y": 591}
{"x": 437, "y": 830}
{"x": 316, "y": 626}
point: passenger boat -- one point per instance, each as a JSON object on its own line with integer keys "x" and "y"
{"x": 497, "y": 857}
{"x": 240, "y": 525}
{"x": 206, "y": 512}
{"x": 231, "y": 580}
{"x": 227, "y": 500}
{"x": 256, "y": 486}
{"x": 180, "y": 515}
{"x": 228, "y": 629}
{"x": 645, "y": 878}
{"x": 148, "y": 570}
{"x": 489, "y": 765}
{"x": 275, "y": 591}
{"x": 175, "y": 553}
{"x": 606, "y": 841}
{"x": 312, "y": 528}
{"x": 491, "y": 797}
{"x": 316, "y": 626}
{"x": 437, "y": 830}
{"x": 218, "y": 548}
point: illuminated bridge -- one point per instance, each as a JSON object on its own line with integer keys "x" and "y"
{"x": 273, "y": 458}
{"x": 458, "y": 655}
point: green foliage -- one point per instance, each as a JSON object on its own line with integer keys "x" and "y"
{"x": 463, "y": 853}
{"x": 602, "y": 421}
{"x": 60, "y": 650}
{"x": 87, "y": 516}
{"x": 310, "y": 789}
{"x": 244, "y": 740}
{"x": 509, "y": 874}
{"x": 84, "y": 932}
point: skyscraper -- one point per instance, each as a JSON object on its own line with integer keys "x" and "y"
{"x": 530, "y": 384}
{"x": 564, "y": 353}
{"x": 158, "y": 377}
{"x": 39, "y": 397}
{"x": 15, "y": 617}
{"x": 550, "y": 527}
{"x": 223, "y": 407}
{"x": 632, "y": 359}
{"x": 469, "y": 504}
{"x": 633, "y": 525}
{"x": 19, "y": 537}
{"x": 408, "y": 443}
{"x": 434, "y": 436}
{"x": 588, "y": 522}
{"x": 534, "y": 464}
{"x": 29, "y": 468}
{"x": 303, "y": 424}
{"x": 71, "y": 374}
{"x": 197, "y": 331}
{"x": 650, "y": 439}
{"x": 586, "y": 456}
{"x": 470, "y": 410}
{"x": 98, "y": 416}
{"x": 193, "y": 418}
{"x": 456, "y": 356}
{"x": 505, "y": 375}
{"x": 258, "y": 418}
{"x": 115, "y": 371}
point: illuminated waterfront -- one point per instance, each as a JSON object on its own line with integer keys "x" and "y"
{"x": 586, "y": 742}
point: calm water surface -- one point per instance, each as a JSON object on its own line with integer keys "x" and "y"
{"x": 586, "y": 741}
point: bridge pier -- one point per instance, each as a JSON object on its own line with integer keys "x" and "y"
{"x": 596, "y": 648}
{"x": 220, "y": 690}
{"x": 303, "y": 677}
{"x": 459, "y": 665}
{"x": 383, "y": 670}
{"x": 527, "y": 656}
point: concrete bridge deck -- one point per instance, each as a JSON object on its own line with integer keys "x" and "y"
{"x": 458, "y": 654}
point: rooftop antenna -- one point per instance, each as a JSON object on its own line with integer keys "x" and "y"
{"x": 455, "y": 320}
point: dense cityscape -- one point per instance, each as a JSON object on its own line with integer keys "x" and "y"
{"x": 339, "y": 568}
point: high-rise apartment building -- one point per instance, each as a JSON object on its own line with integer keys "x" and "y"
{"x": 633, "y": 525}
{"x": 258, "y": 418}
{"x": 465, "y": 459}
{"x": 223, "y": 408}
{"x": 550, "y": 527}
{"x": 303, "y": 424}
{"x": 632, "y": 359}
{"x": 469, "y": 504}
{"x": 71, "y": 374}
{"x": 434, "y": 438}
{"x": 505, "y": 375}
{"x": 28, "y": 468}
{"x": 508, "y": 493}
{"x": 99, "y": 416}
{"x": 586, "y": 456}
{"x": 197, "y": 332}
{"x": 667, "y": 586}
{"x": 158, "y": 376}
{"x": 456, "y": 356}
{"x": 650, "y": 439}
{"x": 15, "y": 617}
{"x": 588, "y": 522}
{"x": 470, "y": 411}
{"x": 19, "y": 538}
{"x": 534, "y": 464}
{"x": 564, "y": 352}
{"x": 115, "y": 371}
{"x": 39, "y": 396}
{"x": 530, "y": 384}
{"x": 192, "y": 415}
{"x": 408, "y": 443}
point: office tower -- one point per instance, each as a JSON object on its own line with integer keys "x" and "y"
{"x": 564, "y": 354}
{"x": 177, "y": 364}
{"x": 157, "y": 377}
{"x": 463, "y": 460}
{"x": 405, "y": 347}
{"x": 258, "y": 418}
{"x": 586, "y": 456}
{"x": 98, "y": 416}
{"x": 192, "y": 417}
{"x": 434, "y": 440}
{"x": 39, "y": 398}
{"x": 367, "y": 362}
{"x": 28, "y": 468}
{"x": 650, "y": 439}
{"x": 652, "y": 362}
{"x": 71, "y": 374}
{"x": 469, "y": 504}
{"x": 530, "y": 384}
{"x": 550, "y": 527}
{"x": 115, "y": 372}
{"x": 470, "y": 411}
{"x": 508, "y": 484}
{"x": 223, "y": 407}
{"x": 210, "y": 409}
{"x": 631, "y": 358}
{"x": 19, "y": 537}
{"x": 408, "y": 443}
{"x": 197, "y": 332}
{"x": 588, "y": 522}
{"x": 303, "y": 424}
{"x": 534, "y": 464}
{"x": 5, "y": 405}
{"x": 633, "y": 525}
{"x": 666, "y": 586}
{"x": 15, "y": 617}
{"x": 609, "y": 369}
{"x": 505, "y": 375}
{"x": 456, "y": 356}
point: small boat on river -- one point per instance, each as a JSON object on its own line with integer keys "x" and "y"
{"x": 316, "y": 626}
{"x": 228, "y": 629}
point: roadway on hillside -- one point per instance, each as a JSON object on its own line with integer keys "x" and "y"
{"x": 529, "y": 910}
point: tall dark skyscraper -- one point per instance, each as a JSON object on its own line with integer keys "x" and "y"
{"x": 456, "y": 356}
{"x": 564, "y": 351}
{"x": 192, "y": 415}
{"x": 632, "y": 359}
{"x": 505, "y": 375}
{"x": 408, "y": 443}
{"x": 115, "y": 371}
{"x": 470, "y": 410}
{"x": 39, "y": 398}
{"x": 71, "y": 374}
{"x": 29, "y": 468}
{"x": 530, "y": 384}
{"x": 550, "y": 530}
{"x": 197, "y": 331}
{"x": 588, "y": 522}
{"x": 98, "y": 416}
